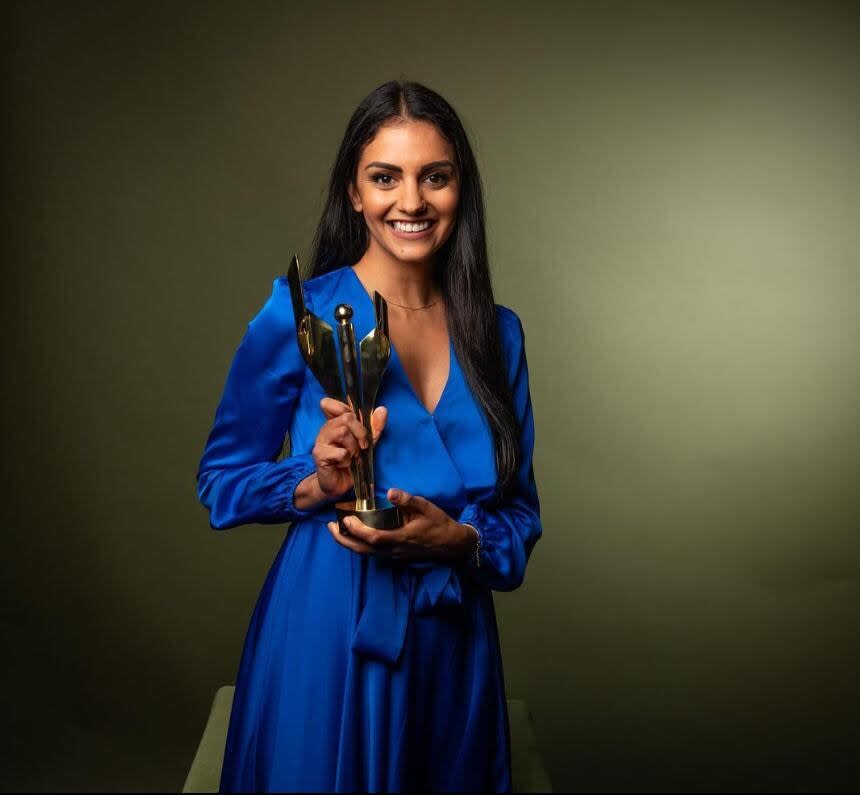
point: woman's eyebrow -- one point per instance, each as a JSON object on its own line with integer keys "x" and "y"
{"x": 391, "y": 167}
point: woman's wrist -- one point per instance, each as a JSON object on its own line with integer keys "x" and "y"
{"x": 308, "y": 493}
{"x": 473, "y": 542}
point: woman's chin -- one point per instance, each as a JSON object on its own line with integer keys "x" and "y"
{"x": 414, "y": 253}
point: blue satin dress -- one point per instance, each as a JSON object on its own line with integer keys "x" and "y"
{"x": 360, "y": 673}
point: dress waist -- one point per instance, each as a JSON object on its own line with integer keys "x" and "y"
{"x": 394, "y": 590}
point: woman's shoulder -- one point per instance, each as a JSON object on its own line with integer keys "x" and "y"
{"x": 506, "y": 316}
{"x": 512, "y": 338}
{"x": 316, "y": 290}
{"x": 277, "y": 312}
{"x": 510, "y": 325}
{"x": 272, "y": 330}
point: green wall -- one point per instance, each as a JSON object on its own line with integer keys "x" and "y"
{"x": 672, "y": 196}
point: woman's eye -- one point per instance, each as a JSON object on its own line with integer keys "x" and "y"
{"x": 387, "y": 179}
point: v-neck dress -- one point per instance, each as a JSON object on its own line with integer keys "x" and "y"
{"x": 360, "y": 673}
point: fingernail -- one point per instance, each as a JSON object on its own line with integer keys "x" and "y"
{"x": 395, "y": 494}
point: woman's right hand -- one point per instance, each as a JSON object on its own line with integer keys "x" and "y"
{"x": 338, "y": 442}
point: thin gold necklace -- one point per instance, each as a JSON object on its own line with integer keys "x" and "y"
{"x": 403, "y": 306}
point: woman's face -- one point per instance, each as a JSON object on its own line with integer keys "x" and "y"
{"x": 407, "y": 173}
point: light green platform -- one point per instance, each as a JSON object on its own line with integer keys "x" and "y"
{"x": 528, "y": 770}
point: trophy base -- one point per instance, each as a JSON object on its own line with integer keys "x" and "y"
{"x": 385, "y": 516}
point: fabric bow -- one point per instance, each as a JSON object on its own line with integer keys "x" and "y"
{"x": 394, "y": 590}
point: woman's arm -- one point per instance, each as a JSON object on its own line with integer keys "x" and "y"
{"x": 239, "y": 479}
{"x": 509, "y": 532}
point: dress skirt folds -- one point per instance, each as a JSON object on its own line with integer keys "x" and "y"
{"x": 360, "y": 673}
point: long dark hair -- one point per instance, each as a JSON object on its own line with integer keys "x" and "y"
{"x": 462, "y": 268}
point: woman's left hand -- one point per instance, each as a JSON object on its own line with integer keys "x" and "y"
{"x": 427, "y": 532}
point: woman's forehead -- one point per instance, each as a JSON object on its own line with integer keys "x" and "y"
{"x": 409, "y": 144}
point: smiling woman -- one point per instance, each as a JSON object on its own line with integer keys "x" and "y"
{"x": 372, "y": 662}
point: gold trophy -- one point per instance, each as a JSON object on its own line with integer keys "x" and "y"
{"x": 358, "y": 390}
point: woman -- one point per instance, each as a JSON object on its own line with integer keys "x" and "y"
{"x": 372, "y": 661}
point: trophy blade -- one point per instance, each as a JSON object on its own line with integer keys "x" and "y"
{"x": 296, "y": 292}
{"x": 315, "y": 338}
{"x": 380, "y": 307}
{"x": 375, "y": 353}
{"x": 322, "y": 356}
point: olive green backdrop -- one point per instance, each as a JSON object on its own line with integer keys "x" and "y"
{"x": 672, "y": 195}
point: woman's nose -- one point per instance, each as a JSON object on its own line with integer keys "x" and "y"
{"x": 411, "y": 201}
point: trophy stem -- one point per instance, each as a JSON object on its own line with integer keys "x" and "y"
{"x": 362, "y": 465}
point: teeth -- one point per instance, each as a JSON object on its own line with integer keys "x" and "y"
{"x": 411, "y": 227}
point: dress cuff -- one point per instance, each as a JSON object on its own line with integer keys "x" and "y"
{"x": 473, "y": 516}
{"x": 300, "y": 466}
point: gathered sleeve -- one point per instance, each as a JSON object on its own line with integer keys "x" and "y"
{"x": 509, "y": 532}
{"x": 239, "y": 478}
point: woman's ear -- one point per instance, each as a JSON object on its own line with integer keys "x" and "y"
{"x": 354, "y": 198}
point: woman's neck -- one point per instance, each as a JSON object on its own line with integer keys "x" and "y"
{"x": 407, "y": 284}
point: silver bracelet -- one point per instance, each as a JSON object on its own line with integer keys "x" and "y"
{"x": 476, "y": 555}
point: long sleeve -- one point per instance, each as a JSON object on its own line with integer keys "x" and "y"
{"x": 510, "y": 531}
{"x": 239, "y": 478}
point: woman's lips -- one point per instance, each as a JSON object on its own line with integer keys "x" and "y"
{"x": 411, "y": 235}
